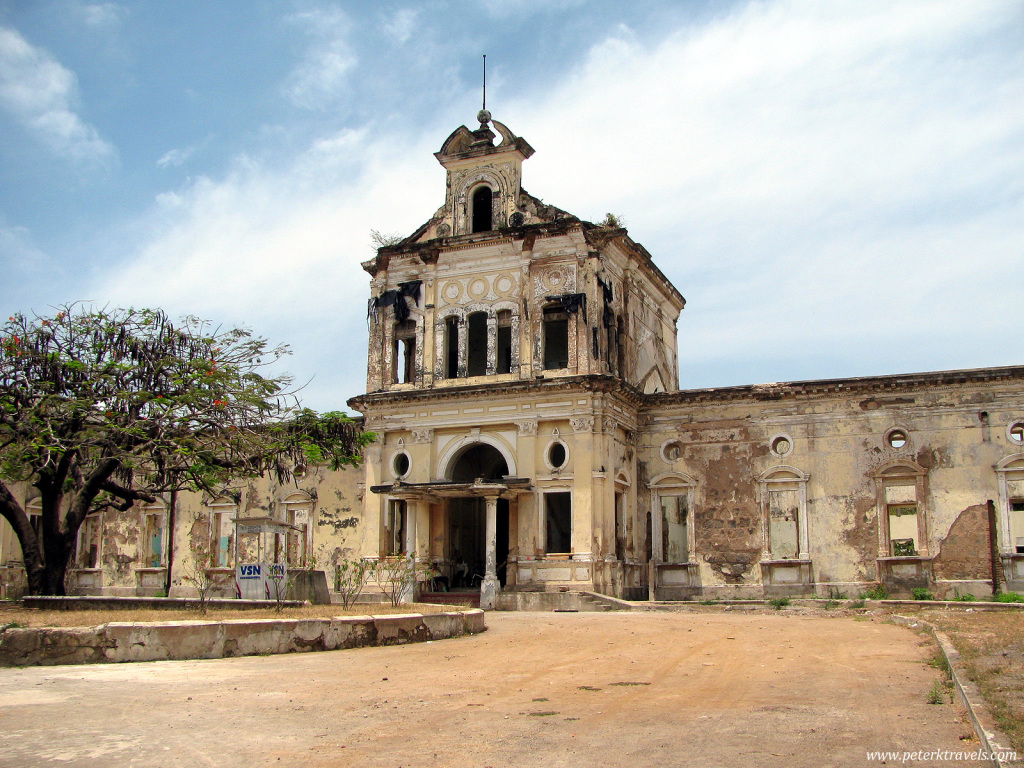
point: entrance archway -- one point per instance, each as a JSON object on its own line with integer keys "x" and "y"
{"x": 479, "y": 461}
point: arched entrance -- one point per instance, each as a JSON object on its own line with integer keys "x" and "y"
{"x": 467, "y": 536}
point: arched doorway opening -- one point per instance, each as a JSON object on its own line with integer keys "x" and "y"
{"x": 467, "y": 538}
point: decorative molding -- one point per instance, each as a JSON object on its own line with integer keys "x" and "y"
{"x": 423, "y": 435}
{"x": 582, "y": 423}
{"x": 527, "y": 428}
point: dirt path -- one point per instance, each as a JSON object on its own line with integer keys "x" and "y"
{"x": 537, "y": 689}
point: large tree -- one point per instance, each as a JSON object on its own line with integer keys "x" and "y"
{"x": 103, "y": 408}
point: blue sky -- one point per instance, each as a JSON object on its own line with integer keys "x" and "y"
{"x": 837, "y": 188}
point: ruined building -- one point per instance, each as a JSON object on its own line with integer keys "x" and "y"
{"x": 523, "y": 383}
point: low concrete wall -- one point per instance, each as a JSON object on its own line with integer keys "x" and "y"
{"x": 542, "y": 601}
{"x": 138, "y": 641}
{"x": 115, "y": 603}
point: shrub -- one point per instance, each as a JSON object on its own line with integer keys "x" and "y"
{"x": 877, "y": 592}
{"x": 779, "y": 603}
{"x": 1010, "y": 597}
{"x": 920, "y": 593}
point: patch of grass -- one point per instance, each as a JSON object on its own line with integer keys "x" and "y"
{"x": 877, "y": 592}
{"x": 939, "y": 662}
{"x": 1010, "y": 597}
{"x": 857, "y": 604}
{"x": 543, "y": 714}
{"x": 920, "y": 593}
{"x": 831, "y": 604}
{"x": 630, "y": 683}
{"x": 587, "y": 688}
{"x": 963, "y": 597}
{"x": 709, "y": 602}
{"x": 541, "y": 699}
{"x": 937, "y": 695}
{"x": 779, "y": 603}
{"x": 12, "y": 625}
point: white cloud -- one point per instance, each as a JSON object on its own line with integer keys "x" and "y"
{"x": 42, "y": 95}
{"x": 401, "y": 24}
{"x": 102, "y": 15}
{"x": 322, "y": 74}
{"x": 809, "y": 174}
{"x": 174, "y": 157}
{"x": 834, "y": 187}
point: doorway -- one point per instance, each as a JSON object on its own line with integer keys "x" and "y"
{"x": 467, "y": 540}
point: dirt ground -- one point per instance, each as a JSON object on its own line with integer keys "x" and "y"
{"x": 537, "y": 689}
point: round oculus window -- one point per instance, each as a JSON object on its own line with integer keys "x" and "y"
{"x": 400, "y": 464}
{"x": 557, "y": 455}
{"x": 672, "y": 451}
{"x": 781, "y": 445}
{"x": 896, "y": 438}
{"x": 1016, "y": 432}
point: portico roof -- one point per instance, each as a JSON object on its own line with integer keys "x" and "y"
{"x": 504, "y": 487}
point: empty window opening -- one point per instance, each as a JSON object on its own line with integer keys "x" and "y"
{"x": 620, "y": 525}
{"x": 479, "y": 461}
{"x": 674, "y": 524}
{"x": 89, "y": 542}
{"x": 400, "y": 464}
{"x": 902, "y": 514}
{"x": 394, "y": 528}
{"x": 781, "y": 446}
{"x": 404, "y": 352}
{"x": 556, "y": 338}
{"x": 503, "y": 343}
{"x": 451, "y": 347}
{"x": 1017, "y": 524}
{"x": 672, "y": 451}
{"x": 558, "y": 509}
{"x": 482, "y": 209}
{"x": 154, "y": 541}
{"x": 783, "y": 523}
{"x": 620, "y": 346}
{"x": 1016, "y": 432}
{"x": 221, "y": 533}
{"x": 557, "y": 455}
{"x": 476, "y": 344}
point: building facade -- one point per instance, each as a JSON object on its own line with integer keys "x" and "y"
{"x": 522, "y": 381}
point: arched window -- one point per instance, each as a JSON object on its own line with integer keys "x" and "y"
{"x": 476, "y": 344}
{"x": 482, "y": 209}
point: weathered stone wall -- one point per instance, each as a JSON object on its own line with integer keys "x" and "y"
{"x": 158, "y": 641}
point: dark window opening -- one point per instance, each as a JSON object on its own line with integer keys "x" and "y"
{"x": 482, "y": 210}
{"x": 451, "y": 347}
{"x": 556, "y": 338}
{"x": 503, "y": 361}
{"x": 559, "y": 522}
{"x": 401, "y": 464}
{"x": 1017, "y": 505}
{"x": 476, "y": 344}
{"x": 620, "y": 525}
{"x": 557, "y": 455}
{"x": 479, "y": 461}
{"x": 620, "y": 348}
{"x": 403, "y": 361}
{"x": 394, "y": 528}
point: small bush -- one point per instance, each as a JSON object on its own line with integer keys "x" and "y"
{"x": 779, "y": 603}
{"x": 937, "y": 695}
{"x": 877, "y": 592}
{"x": 920, "y": 593}
{"x": 963, "y": 597}
{"x": 857, "y": 604}
{"x": 1010, "y": 597}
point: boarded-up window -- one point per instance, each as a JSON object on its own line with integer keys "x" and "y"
{"x": 221, "y": 533}
{"x": 89, "y": 542}
{"x": 783, "y": 523}
{"x": 674, "y": 524}
{"x": 558, "y": 507}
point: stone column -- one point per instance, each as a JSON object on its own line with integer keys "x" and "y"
{"x": 489, "y": 587}
{"x": 411, "y": 515}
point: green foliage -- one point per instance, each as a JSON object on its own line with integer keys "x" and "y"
{"x": 779, "y": 603}
{"x": 920, "y": 593}
{"x": 393, "y": 574}
{"x": 1010, "y": 597}
{"x": 857, "y": 604}
{"x": 611, "y": 220}
{"x": 938, "y": 693}
{"x": 102, "y": 408}
{"x": 964, "y": 597}
{"x": 877, "y": 592}
{"x": 350, "y": 578}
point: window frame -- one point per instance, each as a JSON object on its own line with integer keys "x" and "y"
{"x": 158, "y": 511}
{"x": 221, "y": 510}
{"x": 901, "y": 474}
{"x": 92, "y": 520}
{"x": 546, "y": 523}
{"x": 665, "y": 485}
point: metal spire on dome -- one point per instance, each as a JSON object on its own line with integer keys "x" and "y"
{"x": 483, "y": 115}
